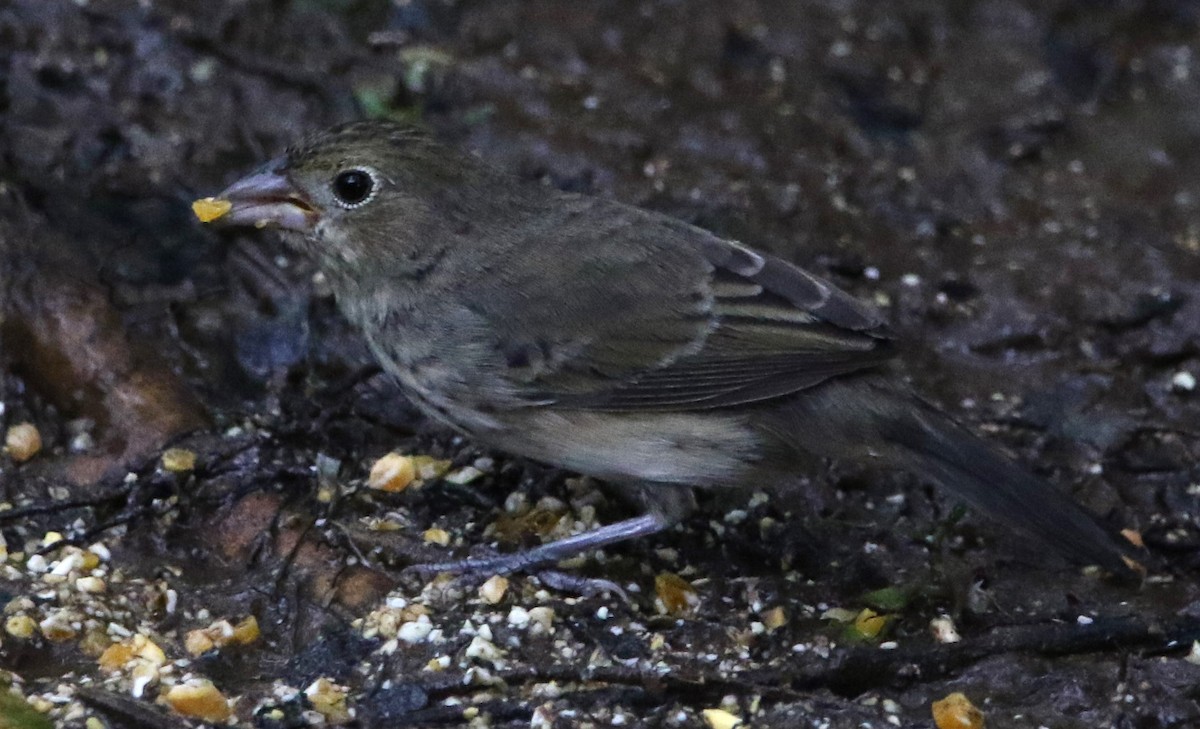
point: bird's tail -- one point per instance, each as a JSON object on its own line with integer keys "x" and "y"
{"x": 866, "y": 416}
{"x": 968, "y": 467}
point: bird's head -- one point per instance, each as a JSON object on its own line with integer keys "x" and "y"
{"x": 351, "y": 197}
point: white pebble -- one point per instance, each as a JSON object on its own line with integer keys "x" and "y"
{"x": 484, "y": 650}
{"x": 944, "y": 630}
{"x": 518, "y": 617}
{"x": 1184, "y": 381}
{"x": 415, "y": 631}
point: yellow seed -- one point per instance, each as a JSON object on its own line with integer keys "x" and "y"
{"x": 329, "y": 700}
{"x": 775, "y": 618}
{"x": 869, "y": 623}
{"x": 178, "y": 460}
{"x": 429, "y": 468}
{"x": 148, "y": 649}
{"x": 440, "y": 537}
{"x": 198, "y": 642}
{"x": 392, "y": 473}
{"x": 957, "y": 712}
{"x": 246, "y": 632}
{"x": 116, "y": 656}
{"x": 200, "y": 700}
{"x": 22, "y": 441}
{"x": 208, "y": 209}
{"x": 91, "y": 561}
{"x": 721, "y": 719}
{"x": 20, "y": 626}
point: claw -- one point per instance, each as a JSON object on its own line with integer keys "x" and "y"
{"x": 585, "y": 586}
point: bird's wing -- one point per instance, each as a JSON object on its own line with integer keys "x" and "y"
{"x": 685, "y": 320}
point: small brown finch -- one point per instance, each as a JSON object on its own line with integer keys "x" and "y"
{"x": 614, "y": 341}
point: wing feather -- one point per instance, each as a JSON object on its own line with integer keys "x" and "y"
{"x": 773, "y": 330}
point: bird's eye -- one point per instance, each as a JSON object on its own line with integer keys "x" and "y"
{"x": 353, "y": 188}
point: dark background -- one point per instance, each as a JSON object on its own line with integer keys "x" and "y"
{"x": 1016, "y": 183}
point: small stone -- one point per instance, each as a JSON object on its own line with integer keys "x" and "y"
{"x": 541, "y": 619}
{"x": 518, "y": 617}
{"x": 943, "y": 630}
{"x": 144, "y": 675}
{"x": 493, "y": 590}
{"x": 415, "y": 631}
{"x": 483, "y": 649}
{"x": 91, "y": 585}
{"x": 1184, "y": 381}
{"x": 56, "y": 627}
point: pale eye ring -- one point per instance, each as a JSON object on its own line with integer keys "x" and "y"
{"x": 354, "y": 187}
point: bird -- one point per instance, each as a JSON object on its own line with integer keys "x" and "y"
{"x": 615, "y": 341}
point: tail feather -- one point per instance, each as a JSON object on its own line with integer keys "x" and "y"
{"x": 968, "y": 467}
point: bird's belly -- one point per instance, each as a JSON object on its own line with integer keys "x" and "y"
{"x": 682, "y": 448}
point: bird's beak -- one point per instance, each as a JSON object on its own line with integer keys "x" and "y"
{"x": 264, "y": 198}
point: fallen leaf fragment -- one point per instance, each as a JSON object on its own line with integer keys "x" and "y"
{"x": 208, "y": 209}
{"x": 957, "y": 712}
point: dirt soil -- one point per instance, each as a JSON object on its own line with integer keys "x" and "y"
{"x": 1016, "y": 183}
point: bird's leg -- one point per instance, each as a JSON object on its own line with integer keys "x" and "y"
{"x": 665, "y": 506}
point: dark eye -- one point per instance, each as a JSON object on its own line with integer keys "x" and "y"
{"x": 353, "y": 187}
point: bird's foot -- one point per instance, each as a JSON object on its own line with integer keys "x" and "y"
{"x": 479, "y": 568}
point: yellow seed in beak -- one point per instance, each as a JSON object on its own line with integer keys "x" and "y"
{"x": 208, "y": 209}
